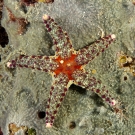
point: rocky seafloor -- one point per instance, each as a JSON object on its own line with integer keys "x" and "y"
{"x": 24, "y": 92}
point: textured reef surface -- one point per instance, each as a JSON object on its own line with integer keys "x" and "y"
{"x": 24, "y": 92}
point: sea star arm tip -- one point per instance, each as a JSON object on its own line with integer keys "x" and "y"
{"x": 8, "y": 64}
{"x": 45, "y": 17}
{"x": 48, "y": 125}
{"x": 11, "y": 64}
{"x": 113, "y": 36}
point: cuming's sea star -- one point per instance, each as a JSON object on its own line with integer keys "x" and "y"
{"x": 66, "y": 68}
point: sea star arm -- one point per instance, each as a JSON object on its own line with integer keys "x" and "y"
{"x": 43, "y": 63}
{"x": 62, "y": 44}
{"x": 90, "y": 52}
{"x": 56, "y": 96}
{"x": 84, "y": 80}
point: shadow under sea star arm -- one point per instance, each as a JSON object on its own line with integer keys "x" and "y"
{"x": 43, "y": 63}
{"x": 61, "y": 41}
{"x": 84, "y": 80}
{"x": 56, "y": 96}
{"x": 88, "y": 53}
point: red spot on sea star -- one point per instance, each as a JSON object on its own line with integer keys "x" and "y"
{"x": 54, "y": 112}
{"x": 61, "y": 99}
{"x": 52, "y": 117}
{"x": 57, "y": 105}
{"x": 107, "y": 99}
{"x": 97, "y": 91}
{"x": 47, "y": 25}
{"x": 103, "y": 96}
{"x": 63, "y": 94}
{"x": 49, "y": 29}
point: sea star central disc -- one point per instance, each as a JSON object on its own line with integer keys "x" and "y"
{"x": 67, "y": 66}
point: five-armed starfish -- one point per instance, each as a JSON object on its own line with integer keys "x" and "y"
{"x": 66, "y": 67}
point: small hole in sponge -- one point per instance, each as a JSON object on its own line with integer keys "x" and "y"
{"x": 72, "y": 125}
{"x": 125, "y": 78}
{"x": 41, "y": 114}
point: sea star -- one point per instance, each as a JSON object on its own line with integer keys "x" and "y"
{"x": 66, "y": 68}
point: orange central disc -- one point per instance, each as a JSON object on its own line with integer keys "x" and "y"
{"x": 67, "y": 66}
